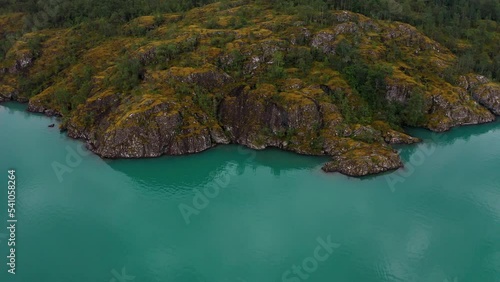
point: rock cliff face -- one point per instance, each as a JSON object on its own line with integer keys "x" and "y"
{"x": 23, "y": 62}
{"x": 10, "y": 94}
{"x": 264, "y": 85}
{"x": 158, "y": 128}
{"x": 462, "y": 109}
{"x": 14, "y": 66}
{"x": 7, "y": 94}
{"x": 459, "y": 105}
{"x": 483, "y": 91}
{"x": 254, "y": 120}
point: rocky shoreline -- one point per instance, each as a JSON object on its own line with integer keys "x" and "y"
{"x": 350, "y": 158}
{"x": 161, "y": 134}
{"x": 356, "y": 151}
{"x": 179, "y": 106}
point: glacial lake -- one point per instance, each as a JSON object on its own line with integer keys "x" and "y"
{"x": 234, "y": 215}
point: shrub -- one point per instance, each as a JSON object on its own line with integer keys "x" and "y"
{"x": 129, "y": 73}
{"x": 300, "y": 58}
{"x": 276, "y": 70}
{"x": 414, "y": 112}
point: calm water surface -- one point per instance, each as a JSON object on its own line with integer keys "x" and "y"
{"x": 84, "y": 219}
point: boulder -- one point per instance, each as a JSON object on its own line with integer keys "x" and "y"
{"x": 364, "y": 161}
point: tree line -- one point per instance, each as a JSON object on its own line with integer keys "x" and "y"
{"x": 63, "y": 13}
{"x": 469, "y": 28}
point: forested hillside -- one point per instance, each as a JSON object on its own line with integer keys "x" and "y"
{"x": 469, "y": 28}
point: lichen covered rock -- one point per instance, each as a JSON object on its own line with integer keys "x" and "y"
{"x": 7, "y": 93}
{"x": 483, "y": 91}
{"x": 263, "y": 118}
{"x": 151, "y": 128}
{"x": 365, "y": 161}
{"x": 452, "y": 109}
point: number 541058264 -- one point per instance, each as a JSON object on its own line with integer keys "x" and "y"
{"x": 12, "y": 178}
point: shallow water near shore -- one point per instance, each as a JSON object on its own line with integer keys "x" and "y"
{"x": 232, "y": 214}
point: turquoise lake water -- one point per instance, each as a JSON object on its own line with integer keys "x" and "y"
{"x": 232, "y": 214}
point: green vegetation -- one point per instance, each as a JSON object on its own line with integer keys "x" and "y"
{"x": 296, "y": 55}
{"x": 63, "y": 13}
{"x": 301, "y": 58}
{"x": 413, "y": 114}
{"x": 468, "y": 28}
{"x": 129, "y": 73}
{"x": 276, "y": 69}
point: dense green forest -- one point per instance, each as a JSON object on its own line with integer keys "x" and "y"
{"x": 55, "y": 13}
{"x": 468, "y": 28}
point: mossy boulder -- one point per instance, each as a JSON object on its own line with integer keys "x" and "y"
{"x": 364, "y": 161}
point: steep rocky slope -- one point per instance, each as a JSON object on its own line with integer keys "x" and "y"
{"x": 244, "y": 74}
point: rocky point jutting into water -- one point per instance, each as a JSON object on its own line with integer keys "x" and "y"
{"x": 199, "y": 79}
